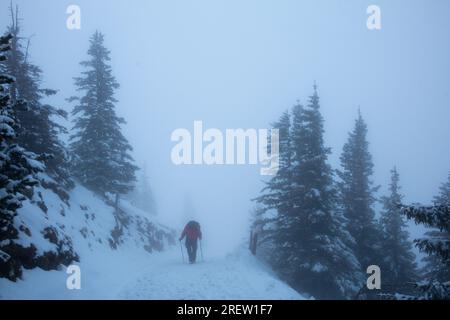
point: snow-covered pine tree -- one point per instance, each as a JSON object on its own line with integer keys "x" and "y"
{"x": 320, "y": 253}
{"x": 399, "y": 267}
{"x": 36, "y": 131}
{"x": 17, "y": 170}
{"x": 356, "y": 195}
{"x": 142, "y": 195}
{"x": 435, "y": 268}
{"x": 443, "y": 198}
{"x": 101, "y": 158}
{"x": 275, "y": 201}
{"x": 436, "y": 244}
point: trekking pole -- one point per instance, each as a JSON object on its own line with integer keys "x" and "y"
{"x": 201, "y": 249}
{"x": 182, "y": 253}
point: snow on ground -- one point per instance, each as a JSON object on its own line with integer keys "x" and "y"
{"x": 134, "y": 269}
{"x": 134, "y": 275}
{"x": 88, "y": 222}
{"x": 103, "y": 274}
{"x": 237, "y": 276}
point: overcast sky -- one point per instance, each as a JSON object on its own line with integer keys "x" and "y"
{"x": 240, "y": 64}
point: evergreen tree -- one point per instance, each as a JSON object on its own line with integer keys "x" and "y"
{"x": 311, "y": 244}
{"x": 17, "y": 174}
{"x": 436, "y": 244}
{"x": 443, "y": 198}
{"x": 356, "y": 193}
{"x": 142, "y": 196}
{"x": 398, "y": 265}
{"x": 324, "y": 262}
{"x": 36, "y": 130}
{"x": 101, "y": 159}
{"x": 276, "y": 196}
{"x": 435, "y": 267}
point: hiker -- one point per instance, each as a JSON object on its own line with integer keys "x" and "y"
{"x": 192, "y": 233}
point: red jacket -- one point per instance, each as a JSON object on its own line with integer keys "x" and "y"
{"x": 191, "y": 233}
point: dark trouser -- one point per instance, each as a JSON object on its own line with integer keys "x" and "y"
{"x": 191, "y": 246}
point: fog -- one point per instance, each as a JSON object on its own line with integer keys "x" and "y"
{"x": 240, "y": 64}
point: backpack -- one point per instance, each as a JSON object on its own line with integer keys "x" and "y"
{"x": 193, "y": 225}
{"x": 192, "y": 230}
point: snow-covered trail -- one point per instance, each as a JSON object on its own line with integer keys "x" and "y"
{"x": 237, "y": 276}
{"x": 134, "y": 275}
{"x": 130, "y": 270}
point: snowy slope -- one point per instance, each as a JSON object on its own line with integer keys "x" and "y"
{"x": 90, "y": 223}
{"x": 58, "y": 229}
